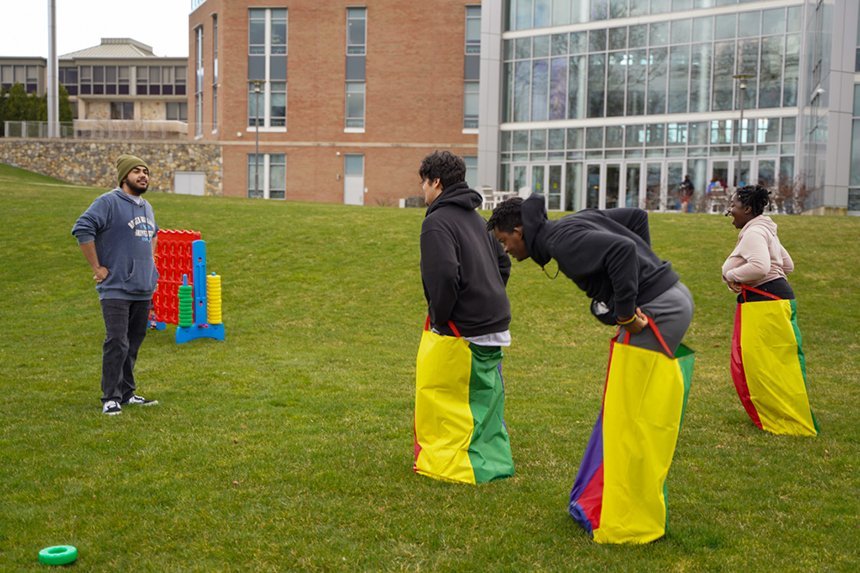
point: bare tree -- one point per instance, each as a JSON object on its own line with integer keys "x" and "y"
{"x": 790, "y": 195}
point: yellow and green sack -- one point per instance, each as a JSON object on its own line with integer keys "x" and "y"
{"x": 460, "y": 432}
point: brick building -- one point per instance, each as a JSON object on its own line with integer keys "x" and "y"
{"x": 341, "y": 99}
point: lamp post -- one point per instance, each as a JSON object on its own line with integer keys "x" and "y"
{"x": 742, "y": 86}
{"x": 257, "y": 86}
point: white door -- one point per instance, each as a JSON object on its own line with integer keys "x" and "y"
{"x": 189, "y": 183}
{"x": 353, "y": 179}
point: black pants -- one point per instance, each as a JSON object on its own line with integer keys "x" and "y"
{"x": 126, "y": 322}
{"x": 776, "y": 287}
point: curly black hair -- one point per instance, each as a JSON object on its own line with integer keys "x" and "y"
{"x": 507, "y": 215}
{"x": 444, "y": 166}
{"x": 756, "y": 197}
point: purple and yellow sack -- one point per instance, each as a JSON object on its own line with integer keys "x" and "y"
{"x": 619, "y": 495}
{"x": 460, "y": 432}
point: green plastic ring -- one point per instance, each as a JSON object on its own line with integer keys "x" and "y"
{"x": 58, "y": 555}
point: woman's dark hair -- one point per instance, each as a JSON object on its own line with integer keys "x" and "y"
{"x": 755, "y": 197}
{"x": 507, "y": 215}
{"x": 444, "y": 166}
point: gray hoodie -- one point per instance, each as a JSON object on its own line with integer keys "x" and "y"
{"x": 123, "y": 232}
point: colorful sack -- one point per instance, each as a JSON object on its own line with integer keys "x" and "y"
{"x": 768, "y": 366}
{"x": 460, "y": 432}
{"x": 619, "y": 495}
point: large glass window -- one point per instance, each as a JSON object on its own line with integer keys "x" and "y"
{"x": 177, "y": 111}
{"x": 470, "y": 105}
{"x": 267, "y": 176}
{"x": 355, "y": 106}
{"x": 356, "y": 31}
{"x": 268, "y": 33}
{"x": 198, "y": 83}
{"x": 854, "y": 176}
{"x": 473, "y": 29}
{"x": 121, "y": 110}
{"x": 214, "y": 72}
{"x": 356, "y": 79}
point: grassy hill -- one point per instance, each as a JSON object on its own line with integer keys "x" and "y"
{"x": 289, "y": 445}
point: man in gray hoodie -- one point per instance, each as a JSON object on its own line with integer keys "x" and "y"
{"x": 117, "y": 235}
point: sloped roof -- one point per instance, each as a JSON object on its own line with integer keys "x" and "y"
{"x": 113, "y": 48}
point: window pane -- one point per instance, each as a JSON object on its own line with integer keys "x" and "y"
{"x": 255, "y": 176}
{"x": 558, "y": 88}
{"x": 576, "y": 88}
{"x": 542, "y": 13}
{"x": 615, "y": 84}
{"x": 724, "y": 59}
{"x": 725, "y": 27}
{"x": 659, "y": 34}
{"x": 277, "y": 176}
{"x": 657, "y": 79}
{"x": 355, "y": 105}
{"x": 540, "y": 90}
{"x": 681, "y": 31}
{"x": 749, "y": 24}
{"x": 792, "y": 65}
{"x": 353, "y": 165}
{"x": 596, "y": 83}
{"x": 773, "y": 21}
{"x": 618, "y": 38}
{"x": 638, "y": 36}
{"x": 856, "y": 100}
{"x": 854, "y": 177}
{"x": 679, "y": 67}
{"x": 470, "y": 105}
{"x": 522, "y": 91}
{"x": 770, "y": 72}
{"x": 703, "y": 29}
{"x": 636, "y": 70}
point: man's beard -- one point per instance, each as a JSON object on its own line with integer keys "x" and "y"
{"x": 135, "y": 188}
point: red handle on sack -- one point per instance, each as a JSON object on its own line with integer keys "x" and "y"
{"x": 657, "y": 335}
{"x": 745, "y": 288}
{"x": 450, "y": 325}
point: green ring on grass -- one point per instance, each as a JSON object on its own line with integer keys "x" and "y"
{"x": 58, "y": 555}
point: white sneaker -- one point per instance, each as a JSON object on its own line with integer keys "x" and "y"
{"x": 111, "y": 408}
{"x": 136, "y": 400}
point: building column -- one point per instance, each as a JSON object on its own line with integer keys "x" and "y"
{"x": 490, "y": 94}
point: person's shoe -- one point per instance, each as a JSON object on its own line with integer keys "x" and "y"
{"x": 136, "y": 400}
{"x": 111, "y": 408}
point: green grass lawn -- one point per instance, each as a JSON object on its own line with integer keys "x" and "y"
{"x": 289, "y": 445}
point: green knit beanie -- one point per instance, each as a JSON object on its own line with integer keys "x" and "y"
{"x": 126, "y": 163}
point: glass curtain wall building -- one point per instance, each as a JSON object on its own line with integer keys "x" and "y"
{"x": 610, "y": 103}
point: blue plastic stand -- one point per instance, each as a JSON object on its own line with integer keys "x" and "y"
{"x": 200, "y": 328}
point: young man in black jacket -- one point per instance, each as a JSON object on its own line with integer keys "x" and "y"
{"x": 608, "y": 254}
{"x": 464, "y": 271}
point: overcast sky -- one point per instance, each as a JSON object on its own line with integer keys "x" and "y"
{"x": 161, "y": 24}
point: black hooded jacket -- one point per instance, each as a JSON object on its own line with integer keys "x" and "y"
{"x": 464, "y": 270}
{"x": 607, "y": 253}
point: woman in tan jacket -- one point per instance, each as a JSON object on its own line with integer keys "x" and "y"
{"x": 759, "y": 260}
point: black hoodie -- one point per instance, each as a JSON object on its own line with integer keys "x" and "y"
{"x": 464, "y": 270}
{"x": 607, "y": 253}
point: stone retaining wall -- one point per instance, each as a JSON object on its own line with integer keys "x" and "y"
{"x": 93, "y": 162}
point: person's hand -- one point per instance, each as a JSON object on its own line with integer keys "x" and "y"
{"x": 736, "y": 287}
{"x": 100, "y": 274}
{"x": 638, "y": 324}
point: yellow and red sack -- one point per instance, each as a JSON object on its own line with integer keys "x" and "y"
{"x": 619, "y": 495}
{"x": 460, "y": 432}
{"x": 768, "y": 366}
